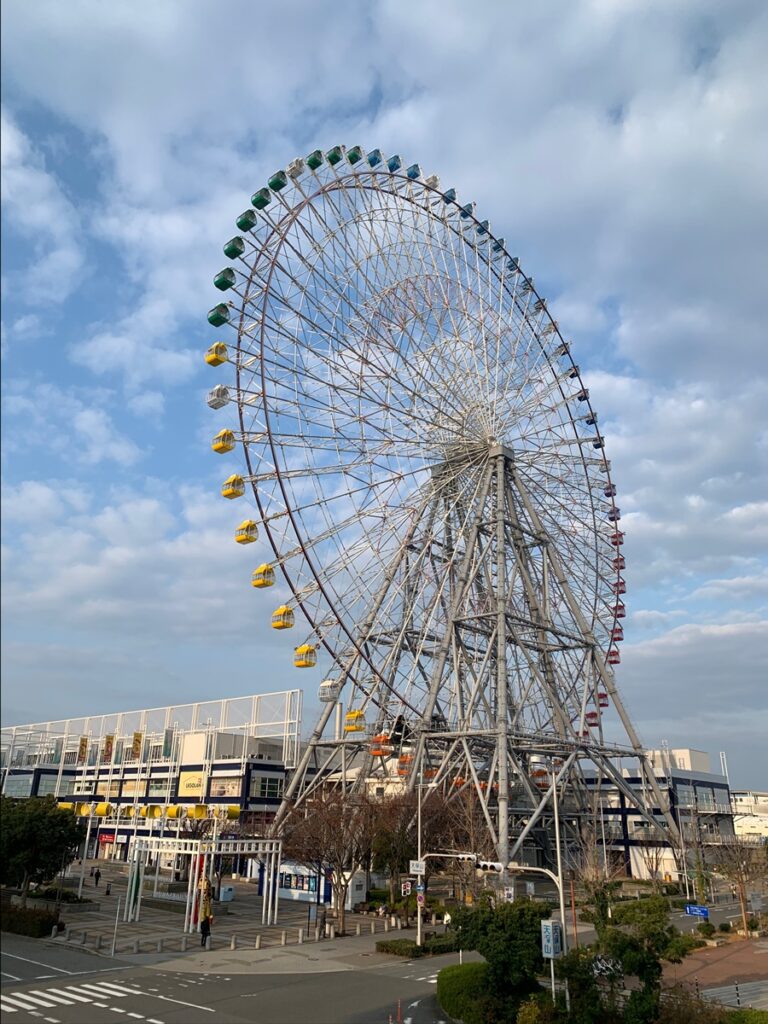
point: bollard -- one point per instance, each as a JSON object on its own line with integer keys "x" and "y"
{"x": 300, "y": 936}
{"x": 66, "y": 933}
{"x": 373, "y": 927}
{"x": 283, "y": 937}
{"x": 317, "y": 933}
{"x": 54, "y": 932}
{"x": 98, "y": 942}
{"x": 332, "y": 932}
{"x": 257, "y": 943}
{"x": 386, "y": 924}
{"x": 738, "y": 995}
{"x": 83, "y": 937}
{"x": 434, "y": 919}
{"x": 183, "y": 943}
{"x": 159, "y": 945}
{"x": 233, "y": 942}
{"x": 208, "y": 942}
{"x": 357, "y": 928}
{"x": 135, "y": 945}
{"x": 399, "y": 924}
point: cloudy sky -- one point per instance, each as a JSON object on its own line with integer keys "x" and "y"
{"x": 618, "y": 145}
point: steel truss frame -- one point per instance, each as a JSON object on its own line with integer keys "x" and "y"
{"x": 510, "y": 678}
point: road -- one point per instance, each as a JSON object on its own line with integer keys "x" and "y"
{"x": 61, "y": 986}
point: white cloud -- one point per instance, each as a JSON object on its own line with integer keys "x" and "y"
{"x": 36, "y": 208}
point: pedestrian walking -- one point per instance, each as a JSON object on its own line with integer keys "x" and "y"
{"x": 205, "y": 930}
{"x": 96, "y": 877}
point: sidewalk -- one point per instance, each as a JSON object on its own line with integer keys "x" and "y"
{"x": 742, "y": 960}
{"x": 158, "y": 936}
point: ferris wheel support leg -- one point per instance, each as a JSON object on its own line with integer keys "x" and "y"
{"x": 501, "y": 668}
{"x": 301, "y": 767}
{"x": 604, "y": 674}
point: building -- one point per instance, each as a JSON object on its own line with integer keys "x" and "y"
{"x": 142, "y": 772}
{"x": 750, "y": 813}
{"x": 698, "y": 799}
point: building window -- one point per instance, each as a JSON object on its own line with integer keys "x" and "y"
{"x": 133, "y": 787}
{"x": 267, "y": 787}
{"x": 228, "y": 785}
{"x": 18, "y": 785}
{"x": 158, "y": 787}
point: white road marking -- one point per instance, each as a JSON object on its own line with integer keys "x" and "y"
{"x": 35, "y": 1000}
{"x": 6, "y": 1007}
{"x": 117, "y": 1009}
{"x": 101, "y": 990}
{"x": 52, "y": 1020}
{"x": 167, "y": 999}
{"x": 10, "y": 1001}
{"x": 121, "y": 989}
{"x": 48, "y": 993}
{"x": 67, "y": 994}
{"x": 37, "y": 963}
{"x": 13, "y": 977}
{"x": 139, "y": 1016}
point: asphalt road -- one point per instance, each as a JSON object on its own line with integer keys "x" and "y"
{"x": 61, "y": 986}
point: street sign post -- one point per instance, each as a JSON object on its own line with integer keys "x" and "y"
{"x": 420, "y": 897}
{"x": 551, "y": 946}
{"x": 692, "y": 910}
{"x": 416, "y": 867}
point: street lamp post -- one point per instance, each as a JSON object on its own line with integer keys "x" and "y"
{"x": 419, "y": 876}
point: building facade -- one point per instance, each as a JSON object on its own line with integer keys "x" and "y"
{"x": 750, "y": 813}
{"x": 143, "y": 772}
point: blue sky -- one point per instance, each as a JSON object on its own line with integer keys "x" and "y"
{"x": 618, "y": 146}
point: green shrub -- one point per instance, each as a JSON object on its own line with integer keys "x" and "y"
{"x": 437, "y": 944}
{"x": 753, "y": 924}
{"x": 65, "y": 896}
{"x": 724, "y": 926}
{"x": 400, "y": 947}
{"x": 461, "y": 992}
{"x": 382, "y": 895}
{"x": 538, "y": 1009}
{"x": 748, "y": 1017}
{"x": 706, "y": 928}
{"x": 23, "y": 921}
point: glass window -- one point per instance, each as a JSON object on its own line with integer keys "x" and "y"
{"x": 132, "y": 787}
{"x": 227, "y": 785}
{"x": 18, "y": 785}
{"x": 267, "y": 786}
{"x": 158, "y": 787}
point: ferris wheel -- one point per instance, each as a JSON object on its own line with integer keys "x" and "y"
{"x": 426, "y": 476}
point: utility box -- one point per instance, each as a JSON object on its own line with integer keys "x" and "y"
{"x": 226, "y": 893}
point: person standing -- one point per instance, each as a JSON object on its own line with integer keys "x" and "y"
{"x": 96, "y": 877}
{"x": 205, "y": 931}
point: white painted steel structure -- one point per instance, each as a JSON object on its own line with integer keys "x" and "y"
{"x": 426, "y": 464}
{"x": 201, "y": 854}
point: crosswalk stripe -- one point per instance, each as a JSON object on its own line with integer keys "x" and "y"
{"x": 101, "y": 990}
{"x": 34, "y": 1000}
{"x": 121, "y": 988}
{"x": 49, "y": 995}
{"x": 18, "y": 1002}
{"x": 6, "y": 1007}
{"x": 66, "y": 993}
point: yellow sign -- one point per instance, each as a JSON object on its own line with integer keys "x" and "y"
{"x": 82, "y": 749}
{"x": 191, "y": 785}
{"x": 136, "y": 745}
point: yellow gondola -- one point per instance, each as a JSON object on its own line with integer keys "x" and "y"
{"x": 354, "y": 727}
{"x": 217, "y": 354}
{"x": 247, "y": 532}
{"x": 305, "y": 656}
{"x": 223, "y": 442}
{"x": 282, "y": 617}
{"x": 263, "y": 576}
{"x": 233, "y": 487}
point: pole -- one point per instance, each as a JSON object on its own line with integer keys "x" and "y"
{"x": 418, "y": 856}
{"x": 560, "y": 887}
{"x": 573, "y": 915}
{"x": 85, "y": 855}
{"x": 552, "y": 972}
{"x": 114, "y": 934}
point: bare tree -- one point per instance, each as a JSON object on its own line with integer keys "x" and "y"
{"x": 465, "y": 830}
{"x": 597, "y": 872}
{"x": 332, "y": 832}
{"x": 652, "y": 854}
{"x": 743, "y": 861}
{"x": 394, "y": 840}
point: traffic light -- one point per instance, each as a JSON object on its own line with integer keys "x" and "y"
{"x": 490, "y": 865}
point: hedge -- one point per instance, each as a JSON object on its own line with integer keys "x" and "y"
{"x": 748, "y": 1017}
{"x": 433, "y": 945}
{"x": 24, "y": 921}
{"x": 461, "y": 992}
{"x": 53, "y": 894}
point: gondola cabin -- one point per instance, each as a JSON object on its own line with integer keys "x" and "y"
{"x": 592, "y": 718}
{"x": 354, "y": 721}
{"x": 614, "y": 515}
{"x": 223, "y": 442}
{"x": 617, "y": 633}
{"x": 263, "y": 576}
{"x": 619, "y": 610}
{"x": 233, "y": 487}
{"x": 619, "y": 586}
{"x": 540, "y": 778}
{"x": 617, "y": 539}
{"x": 619, "y": 562}
{"x": 282, "y": 617}
{"x": 305, "y": 656}
{"x": 329, "y": 691}
{"x": 614, "y": 657}
{"x": 247, "y": 532}
{"x": 217, "y": 354}
{"x": 602, "y": 699}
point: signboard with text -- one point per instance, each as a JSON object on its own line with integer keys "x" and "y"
{"x": 551, "y": 940}
{"x": 692, "y": 910}
{"x": 416, "y": 867}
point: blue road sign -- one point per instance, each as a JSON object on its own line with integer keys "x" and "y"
{"x": 420, "y": 887}
{"x": 692, "y": 910}
{"x": 551, "y": 940}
